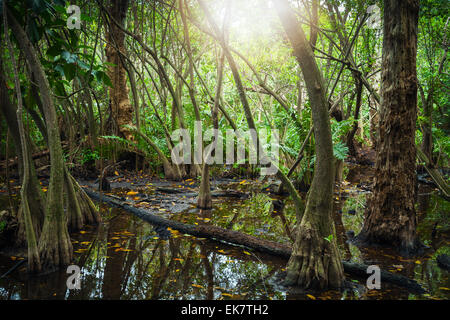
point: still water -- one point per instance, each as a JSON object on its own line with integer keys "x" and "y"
{"x": 127, "y": 258}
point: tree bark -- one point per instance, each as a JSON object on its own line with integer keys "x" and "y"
{"x": 55, "y": 248}
{"x": 315, "y": 261}
{"x": 122, "y": 110}
{"x": 351, "y": 134}
{"x": 33, "y": 192}
{"x": 391, "y": 218}
{"x": 427, "y": 136}
{"x": 34, "y": 263}
{"x": 204, "y": 200}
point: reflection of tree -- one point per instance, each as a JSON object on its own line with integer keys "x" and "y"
{"x": 387, "y": 259}
{"x": 184, "y": 273}
{"x": 141, "y": 266}
{"x": 208, "y": 272}
{"x": 88, "y": 282}
{"x": 160, "y": 276}
{"x": 52, "y": 286}
{"x": 340, "y": 229}
{"x": 131, "y": 256}
{"x": 114, "y": 271}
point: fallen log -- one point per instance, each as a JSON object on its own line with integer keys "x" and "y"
{"x": 14, "y": 267}
{"x": 245, "y": 240}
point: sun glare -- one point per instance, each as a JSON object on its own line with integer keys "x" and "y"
{"x": 248, "y": 20}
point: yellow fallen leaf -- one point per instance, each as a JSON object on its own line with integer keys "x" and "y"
{"x": 444, "y": 288}
{"x": 116, "y": 173}
{"x": 227, "y": 294}
{"x": 132, "y": 193}
{"x": 311, "y": 296}
{"x": 247, "y": 253}
{"x": 197, "y": 285}
{"x": 243, "y": 181}
{"x": 418, "y": 262}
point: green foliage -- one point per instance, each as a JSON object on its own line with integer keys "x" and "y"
{"x": 88, "y": 155}
{"x": 124, "y": 143}
{"x": 71, "y": 62}
{"x": 340, "y": 150}
{"x": 341, "y": 128}
{"x": 2, "y": 226}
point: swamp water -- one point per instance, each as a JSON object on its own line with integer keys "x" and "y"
{"x": 127, "y": 258}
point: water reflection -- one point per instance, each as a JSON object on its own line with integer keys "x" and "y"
{"x": 127, "y": 258}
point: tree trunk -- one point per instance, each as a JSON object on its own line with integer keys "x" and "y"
{"x": 55, "y": 248}
{"x": 171, "y": 171}
{"x": 122, "y": 110}
{"x": 33, "y": 193}
{"x": 315, "y": 261}
{"x": 204, "y": 200}
{"x": 351, "y": 134}
{"x": 34, "y": 264}
{"x": 391, "y": 218}
{"x": 427, "y": 137}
